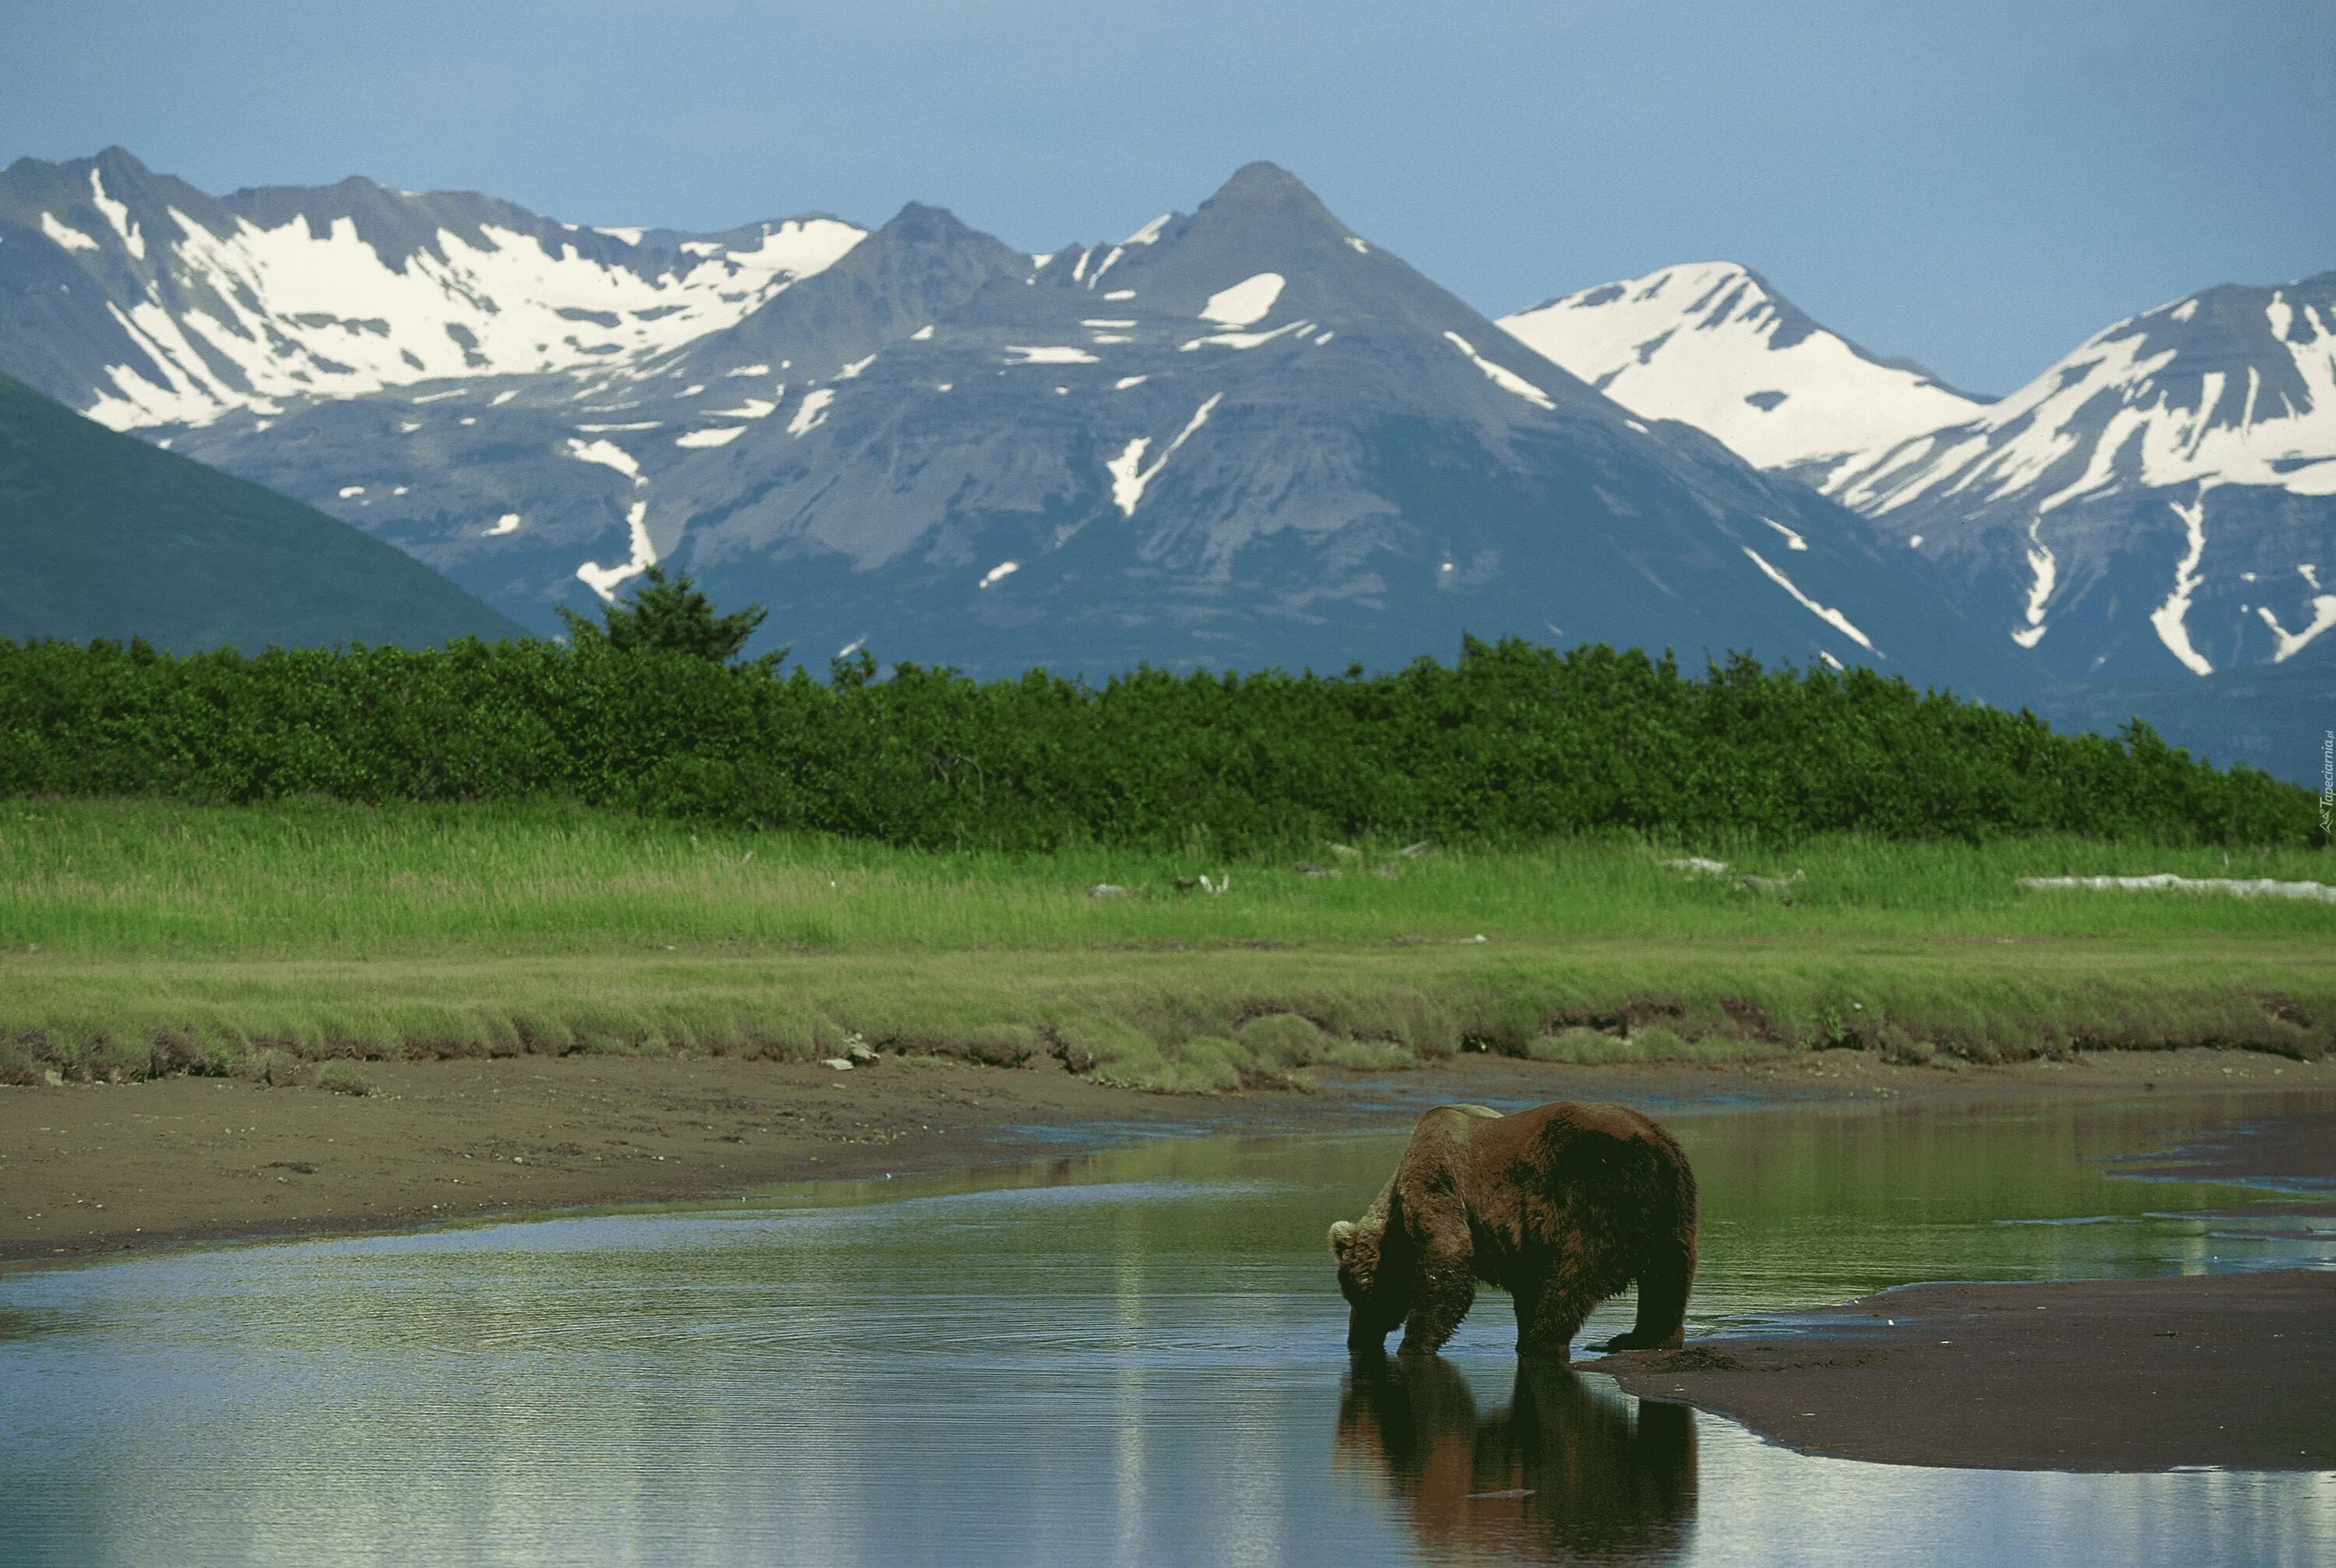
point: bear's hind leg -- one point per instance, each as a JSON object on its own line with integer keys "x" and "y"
{"x": 1553, "y": 1312}
{"x": 1663, "y": 1285}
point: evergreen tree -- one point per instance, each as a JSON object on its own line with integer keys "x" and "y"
{"x": 672, "y": 615}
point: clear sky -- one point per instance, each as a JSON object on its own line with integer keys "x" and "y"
{"x": 1978, "y": 184}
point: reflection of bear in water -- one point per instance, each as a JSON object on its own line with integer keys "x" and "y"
{"x": 1561, "y": 1206}
{"x": 1563, "y": 1472}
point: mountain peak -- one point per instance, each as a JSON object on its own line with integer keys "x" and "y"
{"x": 1259, "y": 177}
{"x": 119, "y": 160}
{"x": 1713, "y": 344}
{"x": 1264, "y": 214}
{"x": 1264, "y": 188}
{"x": 920, "y": 223}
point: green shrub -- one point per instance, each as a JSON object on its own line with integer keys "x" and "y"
{"x": 1512, "y": 744}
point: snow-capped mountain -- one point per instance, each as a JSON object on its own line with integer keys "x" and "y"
{"x": 1241, "y": 437}
{"x": 143, "y": 301}
{"x": 1715, "y": 344}
{"x": 2163, "y": 499}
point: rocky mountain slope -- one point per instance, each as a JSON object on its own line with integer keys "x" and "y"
{"x": 105, "y": 537}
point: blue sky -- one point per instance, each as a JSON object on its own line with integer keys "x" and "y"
{"x": 1980, "y": 185}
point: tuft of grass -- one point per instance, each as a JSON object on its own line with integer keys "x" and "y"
{"x": 340, "y": 1078}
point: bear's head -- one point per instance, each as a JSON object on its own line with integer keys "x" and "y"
{"x": 1357, "y": 1252}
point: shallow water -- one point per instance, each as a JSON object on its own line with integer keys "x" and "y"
{"x": 1133, "y": 1358}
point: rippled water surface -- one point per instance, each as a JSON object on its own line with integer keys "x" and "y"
{"x": 1130, "y": 1359}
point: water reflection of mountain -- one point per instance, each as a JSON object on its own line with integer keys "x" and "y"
{"x": 1566, "y": 1473}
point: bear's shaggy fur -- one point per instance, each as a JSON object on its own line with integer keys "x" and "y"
{"x": 1561, "y": 1206}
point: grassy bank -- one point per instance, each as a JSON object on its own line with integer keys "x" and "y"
{"x": 138, "y": 938}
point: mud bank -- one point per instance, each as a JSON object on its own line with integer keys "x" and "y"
{"x": 95, "y": 1168}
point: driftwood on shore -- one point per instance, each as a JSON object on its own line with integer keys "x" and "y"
{"x": 2238, "y": 887}
{"x": 1697, "y": 866}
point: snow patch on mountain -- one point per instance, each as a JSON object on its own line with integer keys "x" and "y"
{"x": 1242, "y": 340}
{"x": 2044, "y": 572}
{"x": 1247, "y": 302}
{"x": 65, "y": 234}
{"x": 2287, "y": 644}
{"x": 2167, "y": 618}
{"x": 1832, "y": 617}
{"x": 1129, "y": 479}
{"x": 1712, "y": 344}
{"x": 117, "y": 213}
{"x": 1501, "y": 376}
{"x": 608, "y": 454}
{"x": 1793, "y": 539}
{"x": 604, "y": 579}
{"x": 811, "y": 411}
{"x": 1049, "y": 354}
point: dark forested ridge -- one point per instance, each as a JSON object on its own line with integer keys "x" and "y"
{"x": 1512, "y": 743}
{"x": 104, "y": 536}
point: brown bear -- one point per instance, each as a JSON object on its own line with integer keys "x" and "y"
{"x": 1561, "y": 1206}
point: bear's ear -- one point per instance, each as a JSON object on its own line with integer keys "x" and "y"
{"x": 1342, "y": 1237}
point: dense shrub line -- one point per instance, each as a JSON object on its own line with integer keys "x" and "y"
{"x": 1514, "y": 743}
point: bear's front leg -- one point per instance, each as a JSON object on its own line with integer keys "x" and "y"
{"x": 1367, "y": 1328}
{"x": 1446, "y": 1290}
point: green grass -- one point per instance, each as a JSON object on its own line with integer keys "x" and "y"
{"x": 135, "y": 878}
{"x": 137, "y": 938}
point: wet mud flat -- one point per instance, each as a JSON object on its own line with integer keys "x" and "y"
{"x": 90, "y": 1169}
{"x": 2233, "y": 1370}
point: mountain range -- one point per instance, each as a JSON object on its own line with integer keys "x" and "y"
{"x": 2160, "y": 501}
{"x": 1243, "y": 436}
